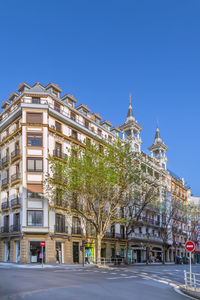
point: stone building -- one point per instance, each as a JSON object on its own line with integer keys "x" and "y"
{"x": 35, "y": 122}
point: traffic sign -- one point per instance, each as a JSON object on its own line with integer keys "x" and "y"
{"x": 42, "y": 244}
{"x": 189, "y": 246}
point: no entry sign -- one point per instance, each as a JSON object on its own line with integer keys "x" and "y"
{"x": 189, "y": 246}
{"x": 42, "y": 244}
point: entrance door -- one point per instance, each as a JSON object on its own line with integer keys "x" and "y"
{"x": 75, "y": 252}
{"x": 59, "y": 252}
{"x": 35, "y": 253}
{"x": 17, "y": 251}
{"x": 7, "y": 252}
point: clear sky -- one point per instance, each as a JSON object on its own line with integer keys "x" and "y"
{"x": 100, "y": 51}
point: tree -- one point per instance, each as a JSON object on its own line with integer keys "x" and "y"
{"x": 93, "y": 183}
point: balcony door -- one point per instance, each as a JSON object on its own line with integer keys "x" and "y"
{"x": 58, "y": 149}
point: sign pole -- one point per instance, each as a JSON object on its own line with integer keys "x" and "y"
{"x": 42, "y": 257}
{"x": 191, "y": 268}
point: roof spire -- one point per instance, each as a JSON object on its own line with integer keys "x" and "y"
{"x": 130, "y": 116}
{"x": 157, "y": 135}
{"x": 130, "y": 95}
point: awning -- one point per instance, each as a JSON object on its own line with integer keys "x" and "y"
{"x": 35, "y": 188}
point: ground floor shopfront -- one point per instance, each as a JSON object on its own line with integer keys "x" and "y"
{"x": 25, "y": 248}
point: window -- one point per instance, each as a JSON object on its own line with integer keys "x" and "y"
{"x": 34, "y": 139}
{"x": 35, "y": 218}
{"x": 55, "y": 93}
{"x": 110, "y": 138}
{"x": 74, "y": 134}
{"x": 58, "y": 126}
{"x": 86, "y": 124}
{"x": 60, "y": 223}
{"x": 100, "y": 148}
{"x": 99, "y": 132}
{"x": 34, "y": 164}
{"x": 76, "y": 225}
{"x": 36, "y": 100}
{"x": 88, "y": 141}
{"x": 57, "y": 106}
{"x": 73, "y": 116}
{"x": 34, "y": 195}
{"x": 34, "y": 118}
{"x": 17, "y": 125}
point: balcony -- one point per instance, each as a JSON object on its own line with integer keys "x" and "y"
{"x": 60, "y": 229}
{"x": 59, "y": 154}
{"x": 5, "y": 160}
{"x": 15, "y": 228}
{"x": 5, "y": 229}
{"x": 57, "y": 108}
{"x": 76, "y": 230}
{"x": 120, "y": 236}
{"x": 110, "y": 234}
{"x": 4, "y": 182}
{"x": 15, "y": 202}
{"x": 4, "y": 205}
{"x": 15, "y": 177}
{"x": 15, "y": 153}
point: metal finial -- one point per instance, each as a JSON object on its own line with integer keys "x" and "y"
{"x": 157, "y": 124}
{"x": 130, "y": 95}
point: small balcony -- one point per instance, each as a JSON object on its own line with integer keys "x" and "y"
{"x": 4, "y": 205}
{"x": 15, "y": 228}
{"x": 76, "y": 230}
{"x": 15, "y": 153}
{"x": 5, "y": 229}
{"x": 5, "y": 160}
{"x": 15, "y": 177}
{"x": 15, "y": 202}
{"x": 4, "y": 182}
{"x": 60, "y": 229}
{"x": 59, "y": 154}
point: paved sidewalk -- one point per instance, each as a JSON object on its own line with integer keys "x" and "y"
{"x": 39, "y": 266}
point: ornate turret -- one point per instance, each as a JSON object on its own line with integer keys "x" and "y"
{"x": 131, "y": 129}
{"x": 158, "y": 149}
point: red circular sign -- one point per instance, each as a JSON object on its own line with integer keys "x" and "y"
{"x": 42, "y": 244}
{"x": 189, "y": 246}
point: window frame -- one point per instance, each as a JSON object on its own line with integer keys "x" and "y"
{"x": 35, "y": 224}
{"x": 34, "y": 159}
{"x": 36, "y": 138}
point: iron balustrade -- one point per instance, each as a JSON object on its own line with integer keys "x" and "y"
{"x": 15, "y": 153}
{"x": 58, "y": 154}
{"x": 4, "y": 205}
{"x": 15, "y": 176}
{"x": 15, "y": 228}
{"x": 57, "y": 108}
{"x": 5, "y": 181}
{"x": 60, "y": 229}
{"x": 76, "y": 230}
{"x": 15, "y": 202}
{"x": 5, "y": 229}
{"x": 5, "y": 159}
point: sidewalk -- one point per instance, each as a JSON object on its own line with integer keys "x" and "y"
{"x": 46, "y": 266}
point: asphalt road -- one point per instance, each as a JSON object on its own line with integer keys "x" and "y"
{"x": 134, "y": 282}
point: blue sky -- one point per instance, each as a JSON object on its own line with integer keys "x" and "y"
{"x": 100, "y": 51}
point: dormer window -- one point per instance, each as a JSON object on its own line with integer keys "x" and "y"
{"x": 36, "y": 100}
{"x": 70, "y": 103}
{"x": 55, "y": 92}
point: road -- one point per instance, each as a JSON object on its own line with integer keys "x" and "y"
{"x": 133, "y": 282}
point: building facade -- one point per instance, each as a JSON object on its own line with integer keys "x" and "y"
{"x": 37, "y": 122}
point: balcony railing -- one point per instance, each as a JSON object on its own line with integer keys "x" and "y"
{"x": 60, "y": 229}
{"x": 15, "y": 176}
{"x": 4, "y": 205}
{"x": 15, "y": 228}
{"x": 4, "y": 229}
{"x": 76, "y": 230}
{"x": 5, "y": 181}
{"x": 57, "y": 108}
{"x": 15, "y": 153}
{"x": 110, "y": 234}
{"x": 5, "y": 159}
{"x": 15, "y": 202}
{"x": 59, "y": 154}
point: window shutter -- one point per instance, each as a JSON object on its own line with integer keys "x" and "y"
{"x": 34, "y": 118}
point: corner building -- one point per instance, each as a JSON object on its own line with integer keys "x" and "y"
{"x": 36, "y": 121}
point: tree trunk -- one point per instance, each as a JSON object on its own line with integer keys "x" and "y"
{"x": 164, "y": 249}
{"x": 126, "y": 247}
{"x": 99, "y": 238}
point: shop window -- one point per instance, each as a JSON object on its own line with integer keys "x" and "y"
{"x": 34, "y": 139}
{"x": 34, "y": 118}
{"x": 34, "y": 164}
{"x": 35, "y": 218}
